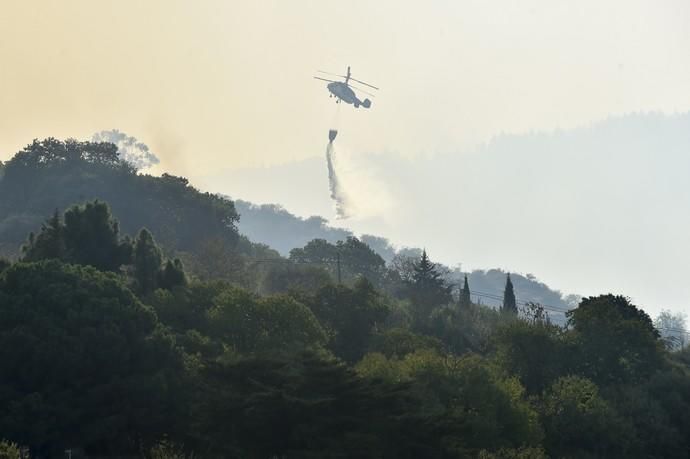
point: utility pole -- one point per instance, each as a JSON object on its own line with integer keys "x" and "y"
{"x": 338, "y": 264}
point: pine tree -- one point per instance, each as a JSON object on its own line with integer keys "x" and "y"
{"x": 427, "y": 289}
{"x": 92, "y": 237}
{"x": 172, "y": 275}
{"x": 465, "y": 299}
{"x": 509, "y": 302}
{"x": 50, "y": 242}
{"x": 147, "y": 262}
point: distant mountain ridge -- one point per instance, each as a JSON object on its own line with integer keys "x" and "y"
{"x": 273, "y": 225}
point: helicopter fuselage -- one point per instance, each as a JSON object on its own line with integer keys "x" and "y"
{"x": 345, "y": 93}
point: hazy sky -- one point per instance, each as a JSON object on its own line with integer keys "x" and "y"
{"x": 213, "y": 84}
{"x": 222, "y": 85}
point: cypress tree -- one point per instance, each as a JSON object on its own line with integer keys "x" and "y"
{"x": 509, "y": 303}
{"x": 465, "y": 299}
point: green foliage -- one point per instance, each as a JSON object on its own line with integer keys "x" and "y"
{"x": 249, "y": 323}
{"x": 284, "y": 277}
{"x": 4, "y": 264}
{"x": 225, "y": 372}
{"x": 92, "y": 237}
{"x": 514, "y": 453}
{"x": 468, "y": 328}
{"x": 168, "y": 450}
{"x": 534, "y": 352}
{"x": 578, "y": 422}
{"x": 89, "y": 236}
{"x": 398, "y": 342}
{"x": 469, "y": 402}
{"x": 82, "y": 361}
{"x": 147, "y": 261}
{"x": 356, "y": 259}
{"x": 9, "y": 450}
{"x": 509, "y": 302}
{"x": 465, "y": 298}
{"x": 172, "y": 275}
{"x": 351, "y": 315}
{"x": 616, "y": 342}
{"x": 671, "y": 390}
{"x": 50, "y": 242}
{"x": 427, "y": 290}
{"x": 52, "y": 174}
{"x": 302, "y": 406}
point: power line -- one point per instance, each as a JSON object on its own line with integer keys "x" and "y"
{"x": 492, "y": 296}
{"x": 496, "y": 297}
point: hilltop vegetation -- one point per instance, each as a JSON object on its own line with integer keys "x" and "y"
{"x": 276, "y": 227}
{"x": 115, "y": 344}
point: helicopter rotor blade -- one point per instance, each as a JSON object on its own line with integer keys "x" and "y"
{"x": 323, "y": 79}
{"x": 365, "y": 84}
{"x": 332, "y": 74}
{"x": 362, "y": 90}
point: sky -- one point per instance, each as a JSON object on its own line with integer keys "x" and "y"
{"x": 218, "y": 87}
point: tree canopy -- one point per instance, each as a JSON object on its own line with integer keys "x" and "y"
{"x": 82, "y": 361}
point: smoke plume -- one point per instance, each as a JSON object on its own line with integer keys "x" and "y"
{"x": 129, "y": 148}
{"x": 337, "y": 193}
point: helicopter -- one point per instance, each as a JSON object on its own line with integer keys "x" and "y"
{"x": 343, "y": 90}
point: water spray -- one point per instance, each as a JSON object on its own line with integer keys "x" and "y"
{"x": 337, "y": 193}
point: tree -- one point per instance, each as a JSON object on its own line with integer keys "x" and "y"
{"x": 427, "y": 290}
{"x": 147, "y": 262}
{"x": 9, "y": 450}
{"x": 531, "y": 351}
{"x": 83, "y": 363}
{"x": 172, "y": 275}
{"x": 616, "y": 342}
{"x": 90, "y": 235}
{"x": 51, "y": 173}
{"x": 580, "y": 423}
{"x": 351, "y": 315}
{"x": 4, "y": 264}
{"x": 469, "y": 404}
{"x": 509, "y": 302}
{"x": 283, "y": 277}
{"x": 672, "y": 329}
{"x": 303, "y": 405}
{"x": 185, "y": 311}
{"x": 50, "y": 242}
{"x": 352, "y": 257}
{"x": 465, "y": 298}
{"x": 249, "y": 323}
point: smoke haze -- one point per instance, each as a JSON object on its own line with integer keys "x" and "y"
{"x": 129, "y": 148}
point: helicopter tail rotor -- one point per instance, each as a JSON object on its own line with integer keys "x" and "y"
{"x": 366, "y": 103}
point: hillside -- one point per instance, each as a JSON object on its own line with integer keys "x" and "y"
{"x": 274, "y": 226}
{"x": 215, "y": 346}
{"x": 50, "y": 175}
{"x": 587, "y": 206}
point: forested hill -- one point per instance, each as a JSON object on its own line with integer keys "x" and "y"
{"x": 52, "y": 175}
{"x": 274, "y": 226}
{"x": 215, "y": 347}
